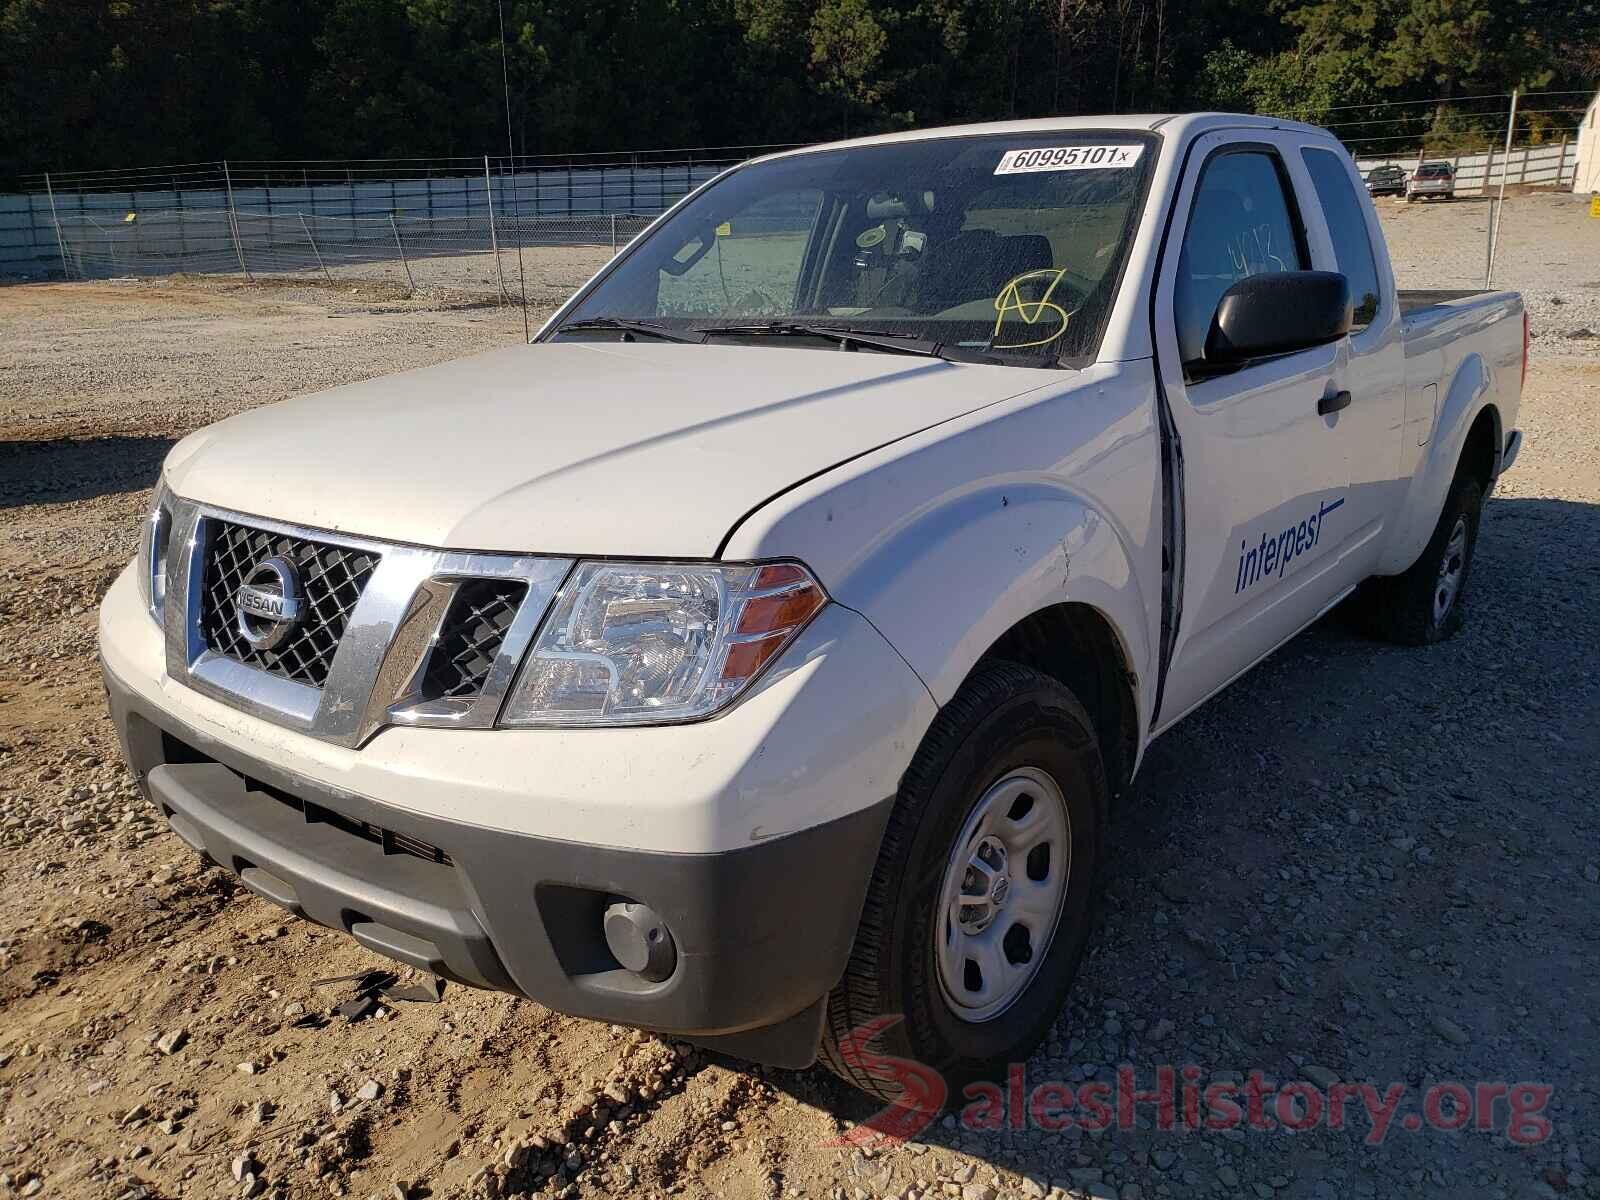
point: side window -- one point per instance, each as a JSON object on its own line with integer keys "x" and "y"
{"x": 1347, "y": 223}
{"x": 1242, "y": 224}
{"x": 749, "y": 264}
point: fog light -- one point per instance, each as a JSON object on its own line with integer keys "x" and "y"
{"x": 639, "y": 940}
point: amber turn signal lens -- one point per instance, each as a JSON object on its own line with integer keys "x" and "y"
{"x": 781, "y": 599}
{"x": 745, "y": 659}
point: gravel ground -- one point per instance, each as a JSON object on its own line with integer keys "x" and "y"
{"x": 1361, "y": 863}
{"x": 1549, "y": 251}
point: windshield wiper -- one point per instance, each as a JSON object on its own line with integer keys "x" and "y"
{"x": 845, "y": 335}
{"x": 633, "y": 328}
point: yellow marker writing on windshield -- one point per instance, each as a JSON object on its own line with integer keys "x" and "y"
{"x": 1031, "y": 312}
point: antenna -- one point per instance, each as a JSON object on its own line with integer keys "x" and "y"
{"x": 511, "y": 155}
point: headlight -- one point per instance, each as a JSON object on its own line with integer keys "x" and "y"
{"x": 153, "y": 541}
{"x": 650, "y": 643}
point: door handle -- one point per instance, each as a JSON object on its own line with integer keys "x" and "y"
{"x": 1333, "y": 403}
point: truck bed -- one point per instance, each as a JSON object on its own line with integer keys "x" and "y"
{"x": 1442, "y": 330}
{"x": 1412, "y": 300}
{"x": 1432, "y": 317}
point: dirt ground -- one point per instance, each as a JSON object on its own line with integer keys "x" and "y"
{"x": 1360, "y": 863}
{"x": 1549, "y": 250}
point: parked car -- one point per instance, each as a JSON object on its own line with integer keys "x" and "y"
{"x": 758, "y": 655}
{"x": 1432, "y": 181}
{"x": 1387, "y": 180}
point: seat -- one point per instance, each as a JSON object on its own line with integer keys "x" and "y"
{"x": 1020, "y": 254}
{"x": 976, "y": 264}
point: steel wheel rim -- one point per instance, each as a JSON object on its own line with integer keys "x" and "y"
{"x": 1004, "y": 886}
{"x": 1451, "y": 569}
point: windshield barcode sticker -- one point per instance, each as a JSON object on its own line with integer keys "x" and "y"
{"x": 1068, "y": 158}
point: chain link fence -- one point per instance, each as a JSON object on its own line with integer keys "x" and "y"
{"x": 455, "y": 225}
{"x": 469, "y": 255}
{"x": 452, "y": 226}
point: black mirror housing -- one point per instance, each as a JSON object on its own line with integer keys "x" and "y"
{"x": 1278, "y": 313}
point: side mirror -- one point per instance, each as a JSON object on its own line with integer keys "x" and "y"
{"x": 1278, "y": 313}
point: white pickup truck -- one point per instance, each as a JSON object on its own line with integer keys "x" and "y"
{"x": 757, "y": 656}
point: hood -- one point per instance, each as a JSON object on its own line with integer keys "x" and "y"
{"x": 620, "y": 449}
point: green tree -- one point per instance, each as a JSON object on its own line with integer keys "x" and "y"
{"x": 1224, "y": 83}
{"x": 846, "y": 44}
{"x": 108, "y": 83}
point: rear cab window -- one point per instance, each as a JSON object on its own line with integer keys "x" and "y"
{"x": 1347, "y": 226}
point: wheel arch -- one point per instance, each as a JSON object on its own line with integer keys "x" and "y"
{"x": 1009, "y": 565}
{"x": 1467, "y": 436}
{"x": 1480, "y": 453}
{"x": 1077, "y": 645}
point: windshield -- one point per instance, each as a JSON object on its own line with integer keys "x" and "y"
{"x": 1002, "y": 248}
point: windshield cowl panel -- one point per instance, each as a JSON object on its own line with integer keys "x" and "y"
{"x": 996, "y": 248}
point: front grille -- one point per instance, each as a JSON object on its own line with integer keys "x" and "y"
{"x": 470, "y": 637}
{"x": 332, "y": 579}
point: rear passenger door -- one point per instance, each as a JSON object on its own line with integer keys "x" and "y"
{"x": 1372, "y": 368}
{"x": 1266, "y": 543}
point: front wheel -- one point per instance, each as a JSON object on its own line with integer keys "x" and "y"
{"x": 980, "y": 904}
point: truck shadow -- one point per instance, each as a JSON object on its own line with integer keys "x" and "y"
{"x": 64, "y": 470}
{"x": 1303, "y": 864}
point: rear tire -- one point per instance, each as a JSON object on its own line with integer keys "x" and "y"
{"x": 951, "y": 969}
{"x": 1426, "y": 604}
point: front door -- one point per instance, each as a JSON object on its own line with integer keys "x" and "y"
{"x": 1265, "y": 475}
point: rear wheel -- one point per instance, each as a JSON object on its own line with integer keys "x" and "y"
{"x": 1426, "y": 604}
{"x": 980, "y": 904}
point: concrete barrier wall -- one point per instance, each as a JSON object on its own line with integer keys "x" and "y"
{"x": 27, "y": 236}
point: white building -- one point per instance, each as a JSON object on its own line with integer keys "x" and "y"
{"x": 1588, "y": 177}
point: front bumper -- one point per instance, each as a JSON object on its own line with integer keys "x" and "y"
{"x": 763, "y": 928}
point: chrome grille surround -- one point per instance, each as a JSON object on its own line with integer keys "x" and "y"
{"x": 374, "y": 674}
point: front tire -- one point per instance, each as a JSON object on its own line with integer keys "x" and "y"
{"x": 1426, "y": 604}
{"x": 980, "y": 905}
